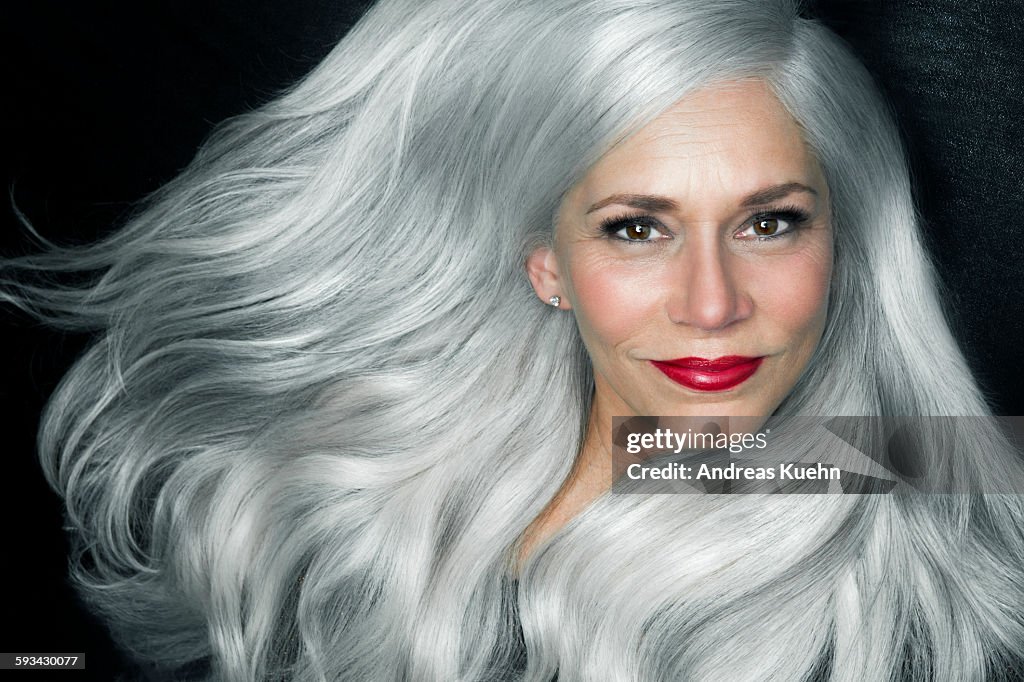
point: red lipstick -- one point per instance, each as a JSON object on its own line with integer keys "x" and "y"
{"x": 701, "y": 374}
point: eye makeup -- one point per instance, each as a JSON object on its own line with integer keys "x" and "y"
{"x": 639, "y": 227}
{"x": 795, "y": 217}
{"x": 639, "y": 224}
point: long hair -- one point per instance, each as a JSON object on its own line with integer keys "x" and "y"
{"x": 323, "y": 403}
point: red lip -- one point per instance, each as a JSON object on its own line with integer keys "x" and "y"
{"x": 702, "y": 374}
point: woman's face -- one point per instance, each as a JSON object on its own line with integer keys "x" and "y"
{"x": 697, "y": 257}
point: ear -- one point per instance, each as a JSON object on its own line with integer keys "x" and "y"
{"x": 542, "y": 268}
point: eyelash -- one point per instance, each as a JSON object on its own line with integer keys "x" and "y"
{"x": 794, "y": 215}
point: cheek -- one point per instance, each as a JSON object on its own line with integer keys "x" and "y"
{"x": 790, "y": 294}
{"x": 613, "y": 299}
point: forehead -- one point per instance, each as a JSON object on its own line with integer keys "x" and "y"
{"x": 730, "y": 138}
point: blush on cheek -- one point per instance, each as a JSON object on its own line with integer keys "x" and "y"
{"x": 612, "y": 301}
{"x": 795, "y": 296}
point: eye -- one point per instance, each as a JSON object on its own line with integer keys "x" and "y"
{"x": 634, "y": 229}
{"x": 638, "y": 233}
{"x": 766, "y": 226}
{"x": 769, "y": 227}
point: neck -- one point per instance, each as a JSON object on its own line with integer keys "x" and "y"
{"x": 590, "y": 478}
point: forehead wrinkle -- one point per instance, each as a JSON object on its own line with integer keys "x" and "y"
{"x": 666, "y": 148}
{"x": 688, "y": 135}
{"x": 706, "y": 144}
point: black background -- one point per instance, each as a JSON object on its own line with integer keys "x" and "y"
{"x": 107, "y": 101}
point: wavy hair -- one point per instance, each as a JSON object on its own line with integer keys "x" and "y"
{"x": 323, "y": 402}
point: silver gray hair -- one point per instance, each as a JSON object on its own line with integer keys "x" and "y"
{"x": 323, "y": 402}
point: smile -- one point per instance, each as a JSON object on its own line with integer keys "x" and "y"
{"x": 701, "y": 374}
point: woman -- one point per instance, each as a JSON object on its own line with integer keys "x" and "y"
{"x": 330, "y": 430}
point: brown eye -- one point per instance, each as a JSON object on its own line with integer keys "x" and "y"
{"x": 766, "y": 227}
{"x": 778, "y": 224}
{"x": 640, "y": 230}
{"x": 637, "y": 232}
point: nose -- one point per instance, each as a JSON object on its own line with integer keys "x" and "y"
{"x": 706, "y": 288}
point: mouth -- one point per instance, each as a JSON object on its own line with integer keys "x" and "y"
{"x": 701, "y": 374}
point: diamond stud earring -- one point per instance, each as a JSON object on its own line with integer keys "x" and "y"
{"x": 555, "y": 300}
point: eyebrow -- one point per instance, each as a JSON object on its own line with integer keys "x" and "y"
{"x": 656, "y": 203}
